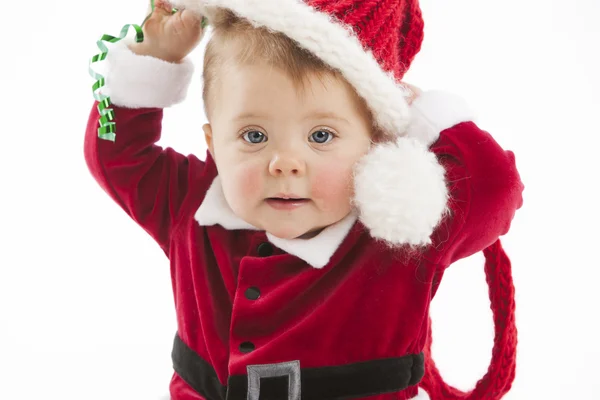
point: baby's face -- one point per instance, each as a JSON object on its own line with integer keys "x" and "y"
{"x": 270, "y": 140}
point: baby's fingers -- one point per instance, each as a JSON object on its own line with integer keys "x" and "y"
{"x": 163, "y": 7}
{"x": 157, "y": 17}
{"x": 185, "y": 25}
{"x": 191, "y": 19}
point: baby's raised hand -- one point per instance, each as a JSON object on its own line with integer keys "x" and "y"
{"x": 170, "y": 37}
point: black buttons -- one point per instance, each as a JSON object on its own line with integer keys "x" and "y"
{"x": 247, "y": 347}
{"x": 265, "y": 250}
{"x": 252, "y": 293}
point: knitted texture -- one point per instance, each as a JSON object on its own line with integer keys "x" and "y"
{"x": 501, "y": 372}
{"x": 372, "y": 43}
{"x": 391, "y": 29}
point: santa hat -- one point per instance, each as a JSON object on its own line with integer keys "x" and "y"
{"x": 372, "y": 43}
{"x": 400, "y": 188}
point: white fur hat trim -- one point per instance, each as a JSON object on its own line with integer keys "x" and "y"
{"x": 401, "y": 192}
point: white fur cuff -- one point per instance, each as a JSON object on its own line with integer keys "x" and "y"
{"x": 434, "y": 111}
{"x": 136, "y": 81}
{"x": 401, "y": 192}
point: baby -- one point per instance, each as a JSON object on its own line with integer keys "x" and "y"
{"x": 306, "y": 249}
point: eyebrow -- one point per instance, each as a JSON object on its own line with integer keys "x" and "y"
{"x": 316, "y": 115}
{"x": 326, "y": 115}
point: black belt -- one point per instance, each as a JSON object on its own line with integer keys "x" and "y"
{"x": 285, "y": 380}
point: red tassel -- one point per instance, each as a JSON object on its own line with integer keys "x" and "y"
{"x": 501, "y": 372}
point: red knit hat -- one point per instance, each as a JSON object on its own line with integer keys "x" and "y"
{"x": 373, "y": 43}
{"x": 391, "y": 30}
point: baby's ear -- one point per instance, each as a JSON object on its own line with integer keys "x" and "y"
{"x": 208, "y": 137}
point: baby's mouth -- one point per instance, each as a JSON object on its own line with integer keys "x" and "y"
{"x": 286, "y": 199}
{"x": 286, "y": 203}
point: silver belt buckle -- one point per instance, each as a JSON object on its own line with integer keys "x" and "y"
{"x": 290, "y": 369}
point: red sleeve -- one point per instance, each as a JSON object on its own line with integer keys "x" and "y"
{"x": 148, "y": 182}
{"x": 485, "y": 191}
{"x": 484, "y": 185}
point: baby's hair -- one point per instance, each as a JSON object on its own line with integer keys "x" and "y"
{"x": 254, "y": 44}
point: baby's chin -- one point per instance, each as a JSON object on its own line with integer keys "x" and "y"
{"x": 305, "y": 225}
{"x": 292, "y": 233}
{"x": 311, "y": 233}
{"x": 301, "y": 227}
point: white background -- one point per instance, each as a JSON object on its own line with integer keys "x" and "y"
{"x": 86, "y": 307}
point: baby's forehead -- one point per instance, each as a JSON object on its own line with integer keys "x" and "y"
{"x": 261, "y": 83}
{"x": 243, "y": 82}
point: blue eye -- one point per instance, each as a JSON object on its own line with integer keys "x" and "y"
{"x": 254, "y": 137}
{"x": 322, "y": 136}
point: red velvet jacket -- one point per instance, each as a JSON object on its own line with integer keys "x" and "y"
{"x": 339, "y": 298}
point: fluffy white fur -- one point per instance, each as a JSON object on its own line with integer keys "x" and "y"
{"x": 400, "y": 188}
{"x": 331, "y": 42}
{"x": 135, "y": 81}
{"x": 436, "y": 110}
{"x": 401, "y": 192}
{"x": 316, "y": 251}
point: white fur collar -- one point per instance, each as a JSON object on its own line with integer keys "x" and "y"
{"x": 316, "y": 251}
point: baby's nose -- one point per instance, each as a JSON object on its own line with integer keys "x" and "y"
{"x": 286, "y": 164}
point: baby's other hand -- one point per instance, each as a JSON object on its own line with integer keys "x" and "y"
{"x": 170, "y": 37}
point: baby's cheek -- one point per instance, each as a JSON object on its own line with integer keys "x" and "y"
{"x": 333, "y": 188}
{"x": 249, "y": 183}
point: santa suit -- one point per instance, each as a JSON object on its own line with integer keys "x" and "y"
{"x": 341, "y": 315}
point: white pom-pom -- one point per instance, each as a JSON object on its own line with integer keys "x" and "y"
{"x": 400, "y": 192}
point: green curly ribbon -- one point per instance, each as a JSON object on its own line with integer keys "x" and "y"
{"x": 107, "y": 129}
